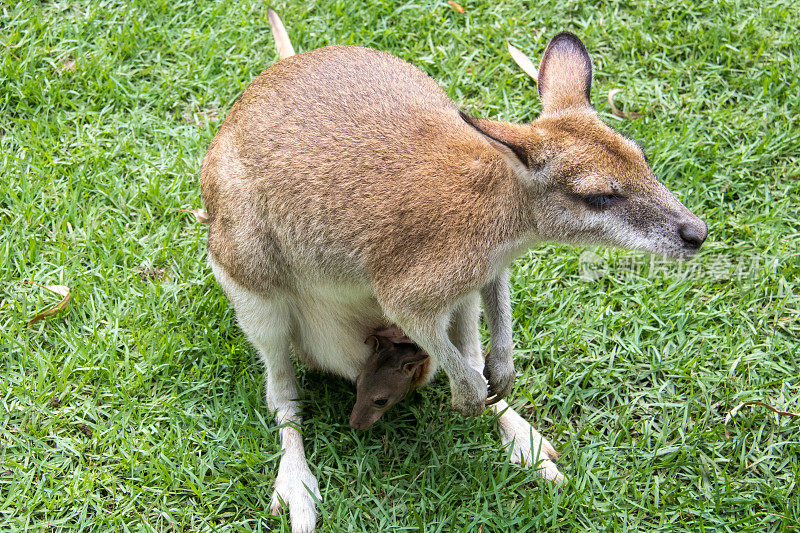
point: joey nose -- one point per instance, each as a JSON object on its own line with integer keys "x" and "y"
{"x": 360, "y": 420}
{"x": 356, "y": 423}
{"x": 693, "y": 233}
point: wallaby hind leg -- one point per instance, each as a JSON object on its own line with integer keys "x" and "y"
{"x": 267, "y": 322}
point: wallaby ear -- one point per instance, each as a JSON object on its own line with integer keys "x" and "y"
{"x": 378, "y": 343}
{"x": 373, "y": 342}
{"x": 504, "y": 137}
{"x": 415, "y": 363}
{"x": 565, "y": 74}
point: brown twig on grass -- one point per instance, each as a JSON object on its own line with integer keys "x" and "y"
{"x": 735, "y": 410}
{"x": 455, "y": 6}
{"x": 618, "y": 112}
{"x": 61, "y": 290}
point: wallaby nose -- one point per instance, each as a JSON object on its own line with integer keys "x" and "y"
{"x": 360, "y": 421}
{"x": 356, "y": 422}
{"x": 693, "y": 233}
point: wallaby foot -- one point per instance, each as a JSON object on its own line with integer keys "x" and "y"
{"x": 528, "y": 448}
{"x": 297, "y": 488}
{"x": 469, "y": 393}
{"x": 500, "y": 374}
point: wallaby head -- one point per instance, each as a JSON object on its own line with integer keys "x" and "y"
{"x": 587, "y": 183}
{"x": 395, "y": 367}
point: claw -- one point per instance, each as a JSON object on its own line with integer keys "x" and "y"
{"x": 491, "y": 390}
{"x": 491, "y": 396}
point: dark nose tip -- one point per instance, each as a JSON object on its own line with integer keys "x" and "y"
{"x": 358, "y": 423}
{"x": 693, "y": 233}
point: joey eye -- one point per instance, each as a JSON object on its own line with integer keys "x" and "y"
{"x": 601, "y": 201}
{"x": 380, "y": 402}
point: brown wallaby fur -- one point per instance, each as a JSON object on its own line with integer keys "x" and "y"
{"x": 346, "y": 192}
{"x": 395, "y": 366}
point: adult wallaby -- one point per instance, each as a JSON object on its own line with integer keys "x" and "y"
{"x": 346, "y": 192}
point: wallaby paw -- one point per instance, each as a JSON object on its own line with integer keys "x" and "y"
{"x": 471, "y": 407}
{"x": 469, "y": 397}
{"x": 500, "y": 375}
{"x": 524, "y": 456}
{"x": 296, "y": 488}
{"x": 528, "y": 448}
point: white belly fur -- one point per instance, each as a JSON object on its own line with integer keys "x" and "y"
{"x": 330, "y": 324}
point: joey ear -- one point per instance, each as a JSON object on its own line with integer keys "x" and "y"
{"x": 373, "y": 342}
{"x": 504, "y": 137}
{"x": 565, "y": 74}
{"x": 415, "y": 363}
{"x": 378, "y": 343}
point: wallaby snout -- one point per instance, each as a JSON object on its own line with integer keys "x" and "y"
{"x": 362, "y": 419}
{"x": 693, "y": 231}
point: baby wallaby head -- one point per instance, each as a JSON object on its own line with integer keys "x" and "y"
{"x": 395, "y": 367}
{"x": 586, "y": 182}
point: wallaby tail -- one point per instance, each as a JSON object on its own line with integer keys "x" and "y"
{"x": 282, "y": 42}
{"x": 200, "y": 215}
{"x": 285, "y": 49}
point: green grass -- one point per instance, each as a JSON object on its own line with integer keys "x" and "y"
{"x": 141, "y": 407}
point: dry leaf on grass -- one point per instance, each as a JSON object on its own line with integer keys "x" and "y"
{"x": 617, "y": 112}
{"x": 68, "y": 64}
{"x": 200, "y": 215}
{"x": 211, "y": 114}
{"x": 455, "y": 6}
{"x": 193, "y": 115}
{"x": 735, "y": 410}
{"x": 152, "y": 274}
{"x": 62, "y": 290}
{"x": 523, "y": 61}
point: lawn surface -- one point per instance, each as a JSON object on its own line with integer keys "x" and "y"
{"x": 140, "y": 407}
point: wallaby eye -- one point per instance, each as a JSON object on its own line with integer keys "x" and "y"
{"x": 380, "y": 402}
{"x": 601, "y": 201}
